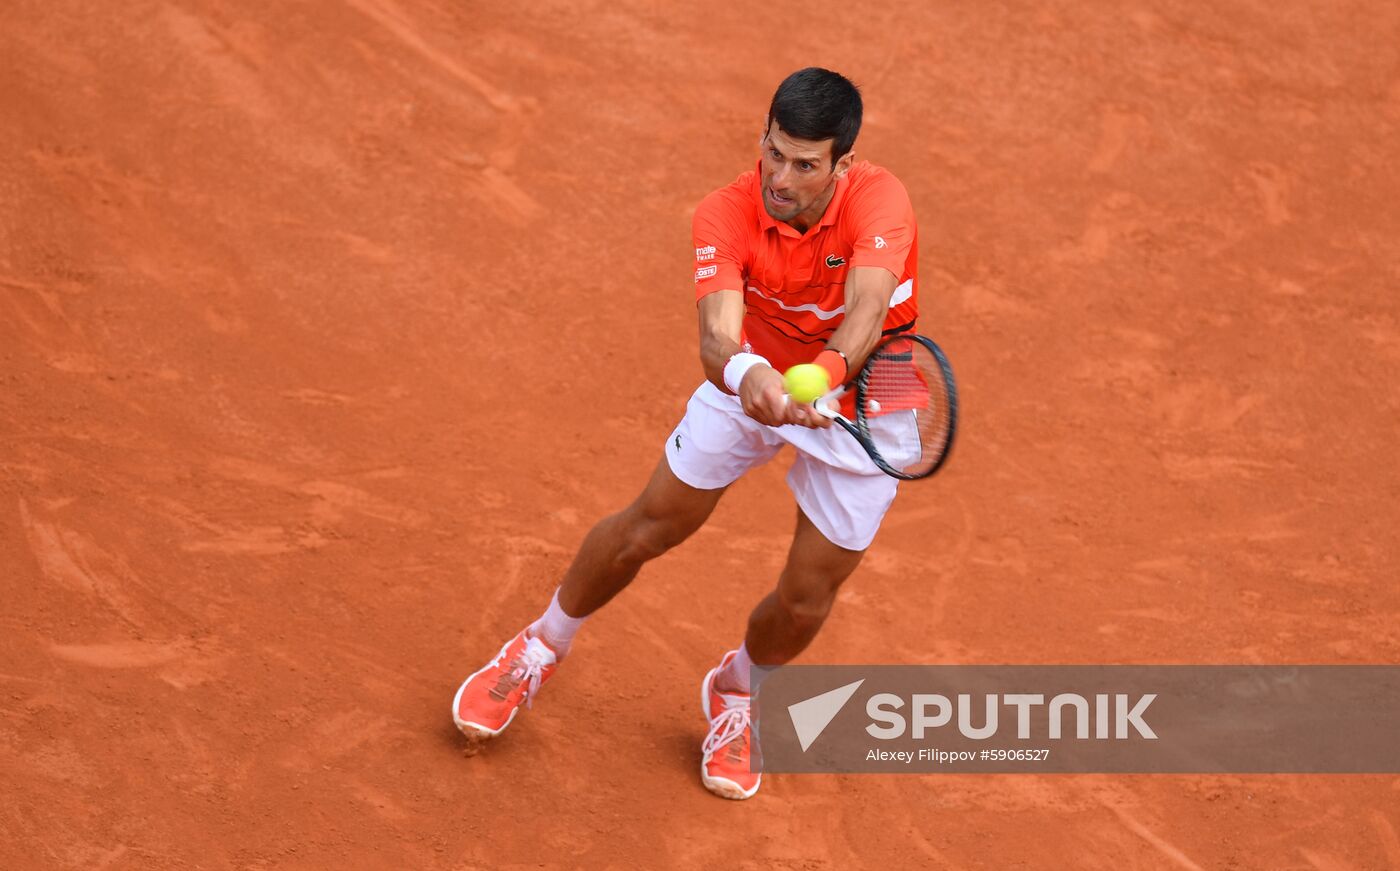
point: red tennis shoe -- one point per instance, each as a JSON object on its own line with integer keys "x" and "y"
{"x": 489, "y": 699}
{"x": 725, "y": 767}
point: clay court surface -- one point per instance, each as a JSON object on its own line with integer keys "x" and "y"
{"x": 328, "y": 329}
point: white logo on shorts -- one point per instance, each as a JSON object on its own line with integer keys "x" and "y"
{"x": 705, "y": 272}
{"x": 706, "y": 253}
{"x": 879, "y": 242}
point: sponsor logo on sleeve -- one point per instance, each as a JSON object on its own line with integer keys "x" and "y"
{"x": 706, "y": 253}
{"x": 705, "y": 272}
{"x": 880, "y": 242}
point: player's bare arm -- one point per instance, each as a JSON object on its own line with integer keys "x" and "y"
{"x": 761, "y": 388}
{"x": 868, "y": 293}
{"x": 721, "y": 324}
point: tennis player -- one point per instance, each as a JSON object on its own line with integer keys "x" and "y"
{"x": 808, "y": 257}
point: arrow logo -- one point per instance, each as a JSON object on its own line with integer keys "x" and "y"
{"x": 811, "y": 717}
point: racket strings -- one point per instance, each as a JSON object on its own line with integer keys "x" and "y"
{"x": 908, "y": 407}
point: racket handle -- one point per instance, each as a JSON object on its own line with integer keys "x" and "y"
{"x": 829, "y": 405}
{"x": 819, "y": 405}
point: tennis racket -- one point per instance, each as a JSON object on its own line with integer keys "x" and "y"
{"x": 906, "y": 407}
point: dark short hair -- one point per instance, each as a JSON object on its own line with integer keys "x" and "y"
{"x": 818, "y": 104}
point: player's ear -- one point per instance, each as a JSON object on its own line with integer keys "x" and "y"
{"x": 843, "y": 165}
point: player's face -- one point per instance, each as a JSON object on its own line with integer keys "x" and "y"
{"x": 798, "y": 176}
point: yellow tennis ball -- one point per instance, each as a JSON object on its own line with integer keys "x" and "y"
{"x": 806, "y": 382}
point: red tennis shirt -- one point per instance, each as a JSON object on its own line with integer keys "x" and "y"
{"x": 794, "y": 284}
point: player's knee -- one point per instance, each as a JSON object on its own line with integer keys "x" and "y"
{"x": 809, "y": 605}
{"x": 649, "y": 537}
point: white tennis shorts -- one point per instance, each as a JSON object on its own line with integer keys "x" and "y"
{"x": 836, "y": 484}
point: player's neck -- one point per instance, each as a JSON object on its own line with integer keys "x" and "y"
{"x": 812, "y": 216}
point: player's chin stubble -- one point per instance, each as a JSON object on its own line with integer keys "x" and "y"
{"x": 792, "y": 211}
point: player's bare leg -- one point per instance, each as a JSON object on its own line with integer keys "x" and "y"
{"x": 666, "y": 513}
{"x": 786, "y": 621}
{"x": 780, "y": 628}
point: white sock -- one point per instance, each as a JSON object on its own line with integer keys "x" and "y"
{"x": 742, "y": 674}
{"x": 556, "y": 628}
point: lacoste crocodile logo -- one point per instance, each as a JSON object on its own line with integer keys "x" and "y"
{"x": 833, "y": 261}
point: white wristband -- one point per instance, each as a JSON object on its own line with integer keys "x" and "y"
{"x": 737, "y": 367}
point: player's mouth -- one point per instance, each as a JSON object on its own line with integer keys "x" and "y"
{"x": 778, "y": 199}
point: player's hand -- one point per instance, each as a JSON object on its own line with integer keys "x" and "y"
{"x": 764, "y": 400}
{"x": 805, "y": 415}
{"x": 761, "y": 393}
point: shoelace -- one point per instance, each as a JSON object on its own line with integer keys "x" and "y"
{"x": 529, "y": 668}
{"x": 730, "y": 725}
